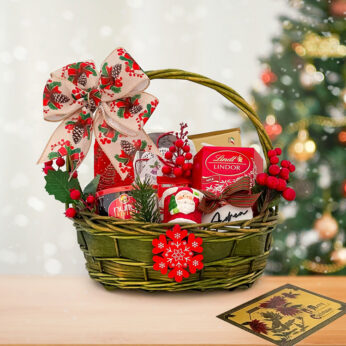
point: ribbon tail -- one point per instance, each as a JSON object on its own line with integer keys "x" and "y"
{"x": 71, "y": 138}
{"x": 120, "y": 148}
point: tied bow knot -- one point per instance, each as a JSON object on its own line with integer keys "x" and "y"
{"x": 111, "y": 104}
{"x": 238, "y": 195}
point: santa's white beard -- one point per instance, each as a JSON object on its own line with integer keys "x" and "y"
{"x": 186, "y": 206}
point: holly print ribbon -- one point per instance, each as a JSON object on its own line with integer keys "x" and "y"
{"x": 238, "y": 194}
{"x": 111, "y": 104}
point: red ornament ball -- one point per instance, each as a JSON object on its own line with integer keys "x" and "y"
{"x": 274, "y": 170}
{"x": 284, "y": 173}
{"x": 281, "y": 185}
{"x": 278, "y": 151}
{"x": 268, "y": 77}
{"x": 274, "y": 160}
{"x": 179, "y": 143}
{"x": 285, "y": 163}
{"x": 172, "y": 148}
{"x": 70, "y": 212}
{"x": 186, "y": 148}
{"x": 75, "y": 175}
{"x": 289, "y": 194}
{"x": 168, "y": 155}
{"x": 48, "y": 163}
{"x": 292, "y": 168}
{"x": 261, "y": 178}
{"x": 272, "y": 182}
{"x": 271, "y": 153}
{"x": 90, "y": 199}
{"x": 60, "y": 162}
{"x": 166, "y": 170}
{"x": 48, "y": 168}
{"x": 188, "y": 156}
{"x": 180, "y": 160}
{"x": 75, "y": 194}
{"x": 178, "y": 172}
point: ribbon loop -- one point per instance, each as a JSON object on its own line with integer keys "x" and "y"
{"x": 115, "y": 95}
{"x": 237, "y": 194}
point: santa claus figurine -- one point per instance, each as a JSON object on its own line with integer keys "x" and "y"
{"x": 180, "y": 204}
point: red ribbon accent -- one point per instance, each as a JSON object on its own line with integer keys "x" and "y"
{"x": 237, "y": 194}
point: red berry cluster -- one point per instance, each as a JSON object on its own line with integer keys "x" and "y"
{"x": 176, "y": 159}
{"x": 60, "y": 162}
{"x": 76, "y": 195}
{"x": 278, "y": 177}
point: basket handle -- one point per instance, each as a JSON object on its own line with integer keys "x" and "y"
{"x": 224, "y": 90}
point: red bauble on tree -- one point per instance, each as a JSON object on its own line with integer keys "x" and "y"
{"x": 179, "y": 253}
{"x": 268, "y": 77}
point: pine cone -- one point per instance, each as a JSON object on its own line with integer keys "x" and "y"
{"x": 59, "y": 98}
{"x": 135, "y": 109}
{"x": 82, "y": 79}
{"x": 128, "y": 148}
{"x": 92, "y": 105}
{"x": 77, "y": 133}
{"x": 116, "y": 71}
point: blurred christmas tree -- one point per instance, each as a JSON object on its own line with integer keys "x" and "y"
{"x": 301, "y": 101}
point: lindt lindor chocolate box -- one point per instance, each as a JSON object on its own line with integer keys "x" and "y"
{"x": 229, "y": 137}
{"x": 214, "y": 168}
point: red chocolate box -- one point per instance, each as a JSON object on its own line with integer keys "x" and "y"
{"x": 214, "y": 168}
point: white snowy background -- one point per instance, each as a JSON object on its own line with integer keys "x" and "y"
{"x": 222, "y": 39}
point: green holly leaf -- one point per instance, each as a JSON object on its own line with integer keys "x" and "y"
{"x": 69, "y": 123}
{"x": 115, "y": 137}
{"x": 115, "y": 89}
{"x": 54, "y": 84}
{"x": 91, "y": 188}
{"x": 53, "y": 155}
{"x": 58, "y": 184}
{"x": 143, "y": 145}
{"x": 121, "y": 159}
{"x": 135, "y": 97}
{"x": 90, "y": 69}
{"x": 104, "y": 69}
{"x": 120, "y": 112}
{"x": 51, "y": 106}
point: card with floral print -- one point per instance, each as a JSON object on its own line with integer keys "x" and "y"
{"x": 285, "y": 315}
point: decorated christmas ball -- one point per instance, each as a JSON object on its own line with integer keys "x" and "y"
{"x": 326, "y": 226}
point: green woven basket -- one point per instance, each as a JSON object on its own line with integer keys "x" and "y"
{"x": 119, "y": 252}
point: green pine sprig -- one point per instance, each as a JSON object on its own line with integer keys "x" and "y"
{"x": 145, "y": 205}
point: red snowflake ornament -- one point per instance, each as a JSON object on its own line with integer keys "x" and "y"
{"x": 177, "y": 253}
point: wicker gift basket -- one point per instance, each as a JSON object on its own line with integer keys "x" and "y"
{"x": 118, "y": 252}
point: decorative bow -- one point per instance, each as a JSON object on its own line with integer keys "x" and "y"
{"x": 111, "y": 104}
{"x": 237, "y": 194}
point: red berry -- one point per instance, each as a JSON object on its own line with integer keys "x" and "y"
{"x": 48, "y": 168}
{"x": 261, "y": 178}
{"x": 75, "y": 194}
{"x": 292, "y": 168}
{"x": 285, "y": 163}
{"x": 60, "y": 162}
{"x": 172, "y": 149}
{"x": 271, "y": 153}
{"x": 90, "y": 199}
{"x": 284, "y": 173}
{"x": 186, "y": 167}
{"x": 168, "y": 155}
{"x": 179, "y": 143}
{"x": 278, "y": 151}
{"x": 274, "y": 160}
{"x": 281, "y": 184}
{"x": 289, "y": 194}
{"x": 274, "y": 170}
{"x": 70, "y": 212}
{"x": 178, "y": 172}
{"x": 75, "y": 175}
{"x": 180, "y": 160}
{"x": 166, "y": 170}
{"x": 188, "y": 156}
{"x": 48, "y": 163}
{"x": 187, "y": 173}
{"x": 272, "y": 182}
{"x": 186, "y": 148}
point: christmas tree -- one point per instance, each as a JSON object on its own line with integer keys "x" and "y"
{"x": 301, "y": 102}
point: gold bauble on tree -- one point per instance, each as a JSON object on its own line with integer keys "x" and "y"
{"x": 339, "y": 256}
{"x": 303, "y": 147}
{"x": 326, "y": 226}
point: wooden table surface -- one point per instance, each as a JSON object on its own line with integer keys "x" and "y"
{"x": 76, "y": 310}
